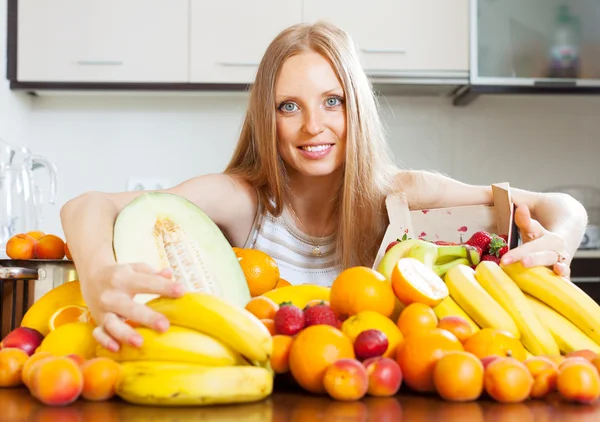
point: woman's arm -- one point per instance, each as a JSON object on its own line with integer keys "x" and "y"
{"x": 556, "y": 212}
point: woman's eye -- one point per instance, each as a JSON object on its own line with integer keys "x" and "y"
{"x": 288, "y": 107}
{"x": 333, "y": 101}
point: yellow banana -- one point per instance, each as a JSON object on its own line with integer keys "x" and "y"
{"x": 448, "y": 307}
{"x": 568, "y": 337}
{"x": 534, "y": 335}
{"x": 476, "y": 302}
{"x": 184, "y": 384}
{"x": 177, "y": 344}
{"x": 218, "y": 318}
{"x": 299, "y": 294}
{"x": 560, "y": 294}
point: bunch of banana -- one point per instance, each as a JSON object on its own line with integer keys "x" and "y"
{"x": 448, "y": 307}
{"x": 214, "y": 352}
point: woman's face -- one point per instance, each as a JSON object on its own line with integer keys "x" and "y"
{"x": 311, "y": 115}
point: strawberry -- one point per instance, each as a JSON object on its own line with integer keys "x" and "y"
{"x": 445, "y": 243}
{"x": 395, "y": 242}
{"x": 320, "y": 314}
{"x": 498, "y": 246}
{"x": 289, "y": 319}
{"x": 505, "y": 237}
{"x": 493, "y": 258}
{"x": 481, "y": 239}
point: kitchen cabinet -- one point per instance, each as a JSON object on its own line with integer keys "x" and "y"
{"x": 229, "y": 37}
{"x": 103, "y": 40}
{"x": 402, "y": 37}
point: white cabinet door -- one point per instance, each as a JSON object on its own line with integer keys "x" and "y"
{"x": 229, "y": 37}
{"x": 103, "y": 40}
{"x": 402, "y": 36}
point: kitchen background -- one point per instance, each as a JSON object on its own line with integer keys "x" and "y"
{"x": 103, "y": 142}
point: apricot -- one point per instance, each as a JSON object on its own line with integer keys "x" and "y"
{"x": 29, "y": 365}
{"x": 545, "y": 373}
{"x": 584, "y": 353}
{"x": 415, "y": 318}
{"x": 557, "y": 359}
{"x": 385, "y": 376}
{"x": 68, "y": 252}
{"x": 20, "y": 246}
{"x": 507, "y": 380}
{"x": 280, "y": 358}
{"x": 12, "y": 360}
{"x": 262, "y": 307}
{"x": 346, "y": 379}
{"x": 568, "y": 360}
{"x": 457, "y": 326}
{"x": 458, "y": 376}
{"x": 488, "y": 359}
{"x": 36, "y": 234}
{"x": 49, "y": 247}
{"x": 77, "y": 358}
{"x": 100, "y": 378}
{"x": 579, "y": 382}
{"x": 56, "y": 381}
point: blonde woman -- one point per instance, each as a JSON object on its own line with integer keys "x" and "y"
{"x": 306, "y": 184}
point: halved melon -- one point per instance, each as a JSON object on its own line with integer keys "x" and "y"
{"x": 166, "y": 230}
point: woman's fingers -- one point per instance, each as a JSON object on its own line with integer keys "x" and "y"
{"x": 530, "y": 229}
{"x": 121, "y": 331}
{"x": 105, "y": 340}
{"x": 562, "y": 269}
{"x": 537, "y": 259}
{"x": 153, "y": 284}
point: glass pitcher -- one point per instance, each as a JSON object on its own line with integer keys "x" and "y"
{"x": 21, "y": 199}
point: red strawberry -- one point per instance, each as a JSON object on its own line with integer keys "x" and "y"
{"x": 320, "y": 314}
{"x": 480, "y": 239}
{"x": 505, "y": 237}
{"x": 445, "y": 243}
{"x": 289, "y": 319}
{"x": 395, "y": 242}
{"x": 491, "y": 258}
{"x": 498, "y": 246}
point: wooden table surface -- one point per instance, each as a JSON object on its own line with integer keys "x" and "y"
{"x": 17, "y": 405}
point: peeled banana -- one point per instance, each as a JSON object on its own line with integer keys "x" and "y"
{"x": 568, "y": 337}
{"x": 448, "y": 307}
{"x": 177, "y": 344}
{"x": 534, "y": 335}
{"x": 213, "y": 316}
{"x": 560, "y": 294}
{"x": 185, "y": 384}
{"x": 476, "y": 302}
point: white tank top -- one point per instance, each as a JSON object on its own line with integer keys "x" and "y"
{"x": 293, "y": 250}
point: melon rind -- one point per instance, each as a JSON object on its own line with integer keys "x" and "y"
{"x": 134, "y": 242}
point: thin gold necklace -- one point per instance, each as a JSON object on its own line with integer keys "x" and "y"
{"x": 317, "y": 247}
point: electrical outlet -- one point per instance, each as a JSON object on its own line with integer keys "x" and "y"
{"x": 146, "y": 183}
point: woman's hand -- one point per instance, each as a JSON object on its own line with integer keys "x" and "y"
{"x": 110, "y": 300}
{"x": 540, "y": 247}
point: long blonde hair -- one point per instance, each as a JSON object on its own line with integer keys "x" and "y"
{"x": 369, "y": 169}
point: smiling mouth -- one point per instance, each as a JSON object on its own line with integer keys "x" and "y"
{"x": 316, "y": 148}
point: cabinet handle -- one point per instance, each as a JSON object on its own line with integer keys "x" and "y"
{"x": 585, "y": 279}
{"x": 238, "y": 64}
{"x": 396, "y": 73}
{"x": 99, "y": 62}
{"x": 383, "y": 51}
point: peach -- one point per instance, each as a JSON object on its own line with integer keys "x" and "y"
{"x": 346, "y": 379}
{"x": 385, "y": 376}
{"x": 25, "y": 338}
{"x": 30, "y": 365}
{"x": 557, "y": 359}
{"x": 12, "y": 361}
{"x": 49, "y": 247}
{"x": 488, "y": 359}
{"x": 68, "y": 252}
{"x": 457, "y": 326}
{"x": 56, "y": 381}
{"x": 458, "y": 376}
{"x": 78, "y": 359}
{"x": 20, "y": 246}
{"x": 584, "y": 353}
{"x": 100, "y": 378}
{"x": 370, "y": 343}
{"x": 544, "y": 373}
{"x": 36, "y": 234}
{"x": 508, "y": 380}
{"x": 569, "y": 360}
{"x": 579, "y": 382}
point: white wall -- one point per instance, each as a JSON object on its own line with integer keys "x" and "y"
{"x": 99, "y": 142}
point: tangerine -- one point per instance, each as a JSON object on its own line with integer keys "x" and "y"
{"x": 495, "y": 342}
{"x": 313, "y": 350}
{"x": 458, "y": 376}
{"x": 417, "y": 317}
{"x": 508, "y": 380}
{"x": 358, "y": 289}
{"x": 419, "y": 353}
{"x": 262, "y": 307}
{"x": 261, "y": 270}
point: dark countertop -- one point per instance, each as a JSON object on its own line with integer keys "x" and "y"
{"x": 18, "y": 405}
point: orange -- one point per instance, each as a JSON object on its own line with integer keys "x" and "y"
{"x": 280, "y": 358}
{"x": 282, "y": 283}
{"x": 508, "y": 380}
{"x": 67, "y": 314}
{"x": 578, "y": 381}
{"x": 313, "y": 350}
{"x": 262, "y": 307}
{"x": 358, "y": 289}
{"x": 419, "y": 353}
{"x": 495, "y": 342}
{"x": 261, "y": 271}
{"x": 417, "y": 317}
{"x": 413, "y": 281}
{"x": 458, "y": 376}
